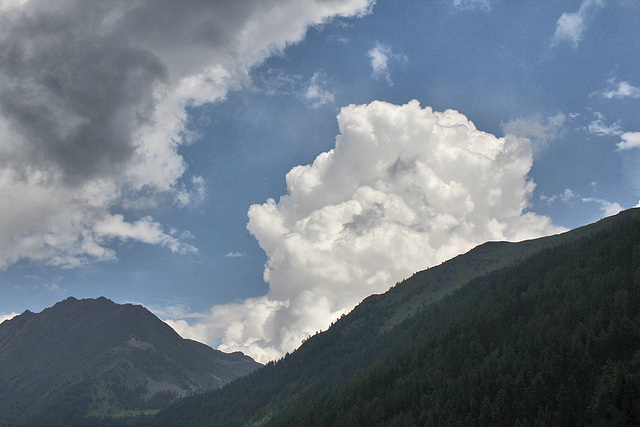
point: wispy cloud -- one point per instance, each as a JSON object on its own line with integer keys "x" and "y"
{"x": 235, "y": 254}
{"x": 606, "y": 207}
{"x": 52, "y": 287}
{"x": 192, "y": 195}
{"x": 144, "y": 230}
{"x": 484, "y": 5}
{"x": 571, "y": 26}
{"x": 379, "y": 57}
{"x": 275, "y": 81}
{"x": 619, "y": 90}
{"x": 566, "y": 196}
{"x": 316, "y": 92}
{"x": 601, "y": 128}
{"x": 630, "y": 140}
{"x": 172, "y": 311}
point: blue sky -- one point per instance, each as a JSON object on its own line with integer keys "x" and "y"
{"x": 144, "y": 148}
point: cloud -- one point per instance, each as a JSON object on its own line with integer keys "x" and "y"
{"x": 234, "y": 254}
{"x": 144, "y": 230}
{"x": 472, "y": 4}
{"x": 175, "y": 310}
{"x": 404, "y": 188}
{"x": 539, "y": 132}
{"x": 316, "y": 92}
{"x": 571, "y": 26}
{"x": 600, "y": 128}
{"x": 92, "y": 110}
{"x": 566, "y": 197}
{"x": 629, "y": 141}
{"x": 379, "y": 57}
{"x": 275, "y": 81}
{"x": 192, "y": 195}
{"x": 608, "y": 208}
{"x": 623, "y": 90}
{"x": 4, "y": 317}
{"x": 52, "y": 287}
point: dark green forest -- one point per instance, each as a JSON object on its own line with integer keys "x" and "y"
{"x": 545, "y": 332}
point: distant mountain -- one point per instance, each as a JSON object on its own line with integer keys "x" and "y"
{"x": 93, "y": 357}
{"x": 541, "y": 332}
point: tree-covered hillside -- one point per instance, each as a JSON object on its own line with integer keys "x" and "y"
{"x": 543, "y": 332}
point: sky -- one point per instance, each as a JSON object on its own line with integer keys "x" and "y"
{"x": 251, "y": 170}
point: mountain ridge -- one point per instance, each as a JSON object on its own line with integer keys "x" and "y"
{"x": 492, "y": 255}
{"x": 95, "y": 357}
{"x": 373, "y": 366}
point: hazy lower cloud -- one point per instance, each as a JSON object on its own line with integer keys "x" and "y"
{"x": 538, "y": 130}
{"x": 571, "y": 26}
{"x": 4, "y": 317}
{"x": 92, "y": 110}
{"x": 404, "y": 188}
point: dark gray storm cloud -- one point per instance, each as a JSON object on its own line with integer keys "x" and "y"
{"x": 74, "y": 97}
{"x": 92, "y": 108}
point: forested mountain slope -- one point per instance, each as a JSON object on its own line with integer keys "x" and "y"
{"x": 539, "y": 332}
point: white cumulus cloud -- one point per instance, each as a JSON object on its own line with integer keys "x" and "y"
{"x": 404, "y": 188}
{"x": 92, "y": 110}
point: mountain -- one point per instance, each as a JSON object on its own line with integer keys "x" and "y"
{"x": 541, "y": 332}
{"x": 93, "y": 357}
